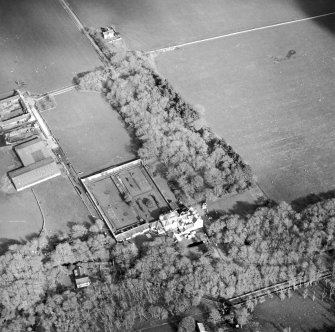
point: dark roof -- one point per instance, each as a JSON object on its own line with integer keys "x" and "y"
{"x": 32, "y": 151}
{"x": 40, "y": 171}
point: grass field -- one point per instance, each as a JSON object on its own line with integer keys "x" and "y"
{"x": 21, "y": 216}
{"x": 153, "y": 24}
{"x": 60, "y": 204}
{"x": 270, "y": 94}
{"x": 296, "y": 312}
{"x": 89, "y": 131}
{"x": 40, "y": 46}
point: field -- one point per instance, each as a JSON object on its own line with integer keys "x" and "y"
{"x": 40, "y": 46}
{"x": 296, "y": 312}
{"x": 21, "y": 216}
{"x": 270, "y": 94}
{"x": 89, "y": 131}
{"x": 61, "y": 205}
{"x": 174, "y": 21}
{"x": 127, "y": 195}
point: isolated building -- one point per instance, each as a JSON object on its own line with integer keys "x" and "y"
{"x": 8, "y": 102}
{"x": 108, "y": 33}
{"x": 200, "y": 327}
{"x": 80, "y": 278}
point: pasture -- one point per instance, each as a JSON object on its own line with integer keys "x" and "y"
{"x": 40, "y": 46}
{"x": 152, "y": 24}
{"x": 270, "y": 94}
{"x": 89, "y": 131}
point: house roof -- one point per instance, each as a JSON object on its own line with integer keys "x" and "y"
{"x": 82, "y": 281}
{"x": 40, "y": 171}
{"x": 32, "y": 151}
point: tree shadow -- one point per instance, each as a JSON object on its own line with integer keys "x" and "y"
{"x": 5, "y": 243}
{"x": 86, "y": 224}
{"x": 302, "y": 202}
{"x": 325, "y": 328}
{"x": 77, "y": 78}
{"x": 31, "y": 236}
{"x": 314, "y": 8}
{"x": 242, "y": 208}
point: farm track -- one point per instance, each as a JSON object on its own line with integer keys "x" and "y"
{"x": 277, "y": 288}
{"x": 81, "y": 28}
{"x": 173, "y": 47}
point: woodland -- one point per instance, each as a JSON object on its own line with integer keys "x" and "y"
{"x": 161, "y": 278}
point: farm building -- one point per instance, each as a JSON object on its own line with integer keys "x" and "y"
{"x": 32, "y": 151}
{"x": 15, "y": 121}
{"x": 38, "y": 165}
{"x": 12, "y": 112}
{"x": 35, "y": 173}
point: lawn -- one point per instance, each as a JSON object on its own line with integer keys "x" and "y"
{"x": 40, "y": 46}
{"x": 89, "y": 131}
{"x": 270, "y": 94}
{"x": 152, "y": 24}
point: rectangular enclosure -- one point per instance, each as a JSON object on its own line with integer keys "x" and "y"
{"x": 126, "y": 195}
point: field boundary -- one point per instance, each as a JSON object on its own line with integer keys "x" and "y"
{"x": 173, "y": 47}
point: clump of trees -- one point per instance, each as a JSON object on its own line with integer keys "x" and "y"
{"x": 46, "y": 103}
{"x": 170, "y": 132}
{"x": 36, "y": 292}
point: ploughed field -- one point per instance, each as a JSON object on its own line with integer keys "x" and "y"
{"x": 40, "y": 46}
{"x": 270, "y": 94}
{"x": 152, "y": 24}
{"x": 89, "y": 131}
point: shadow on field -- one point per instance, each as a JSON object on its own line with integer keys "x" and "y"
{"x": 314, "y": 8}
{"x": 325, "y": 328}
{"x": 6, "y": 243}
{"x": 302, "y": 202}
{"x": 86, "y": 224}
